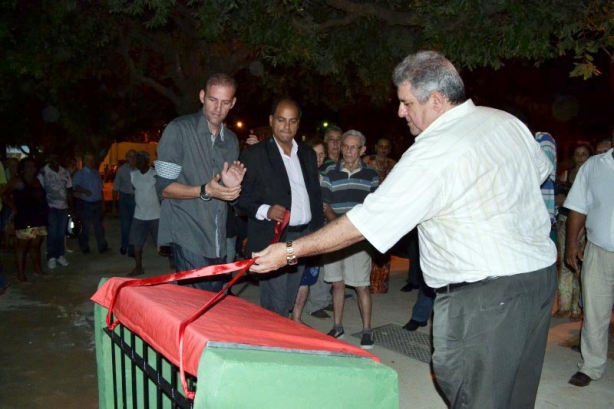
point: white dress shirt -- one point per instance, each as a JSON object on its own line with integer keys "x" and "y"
{"x": 471, "y": 182}
{"x": 300, "y": 212}
{"x": 592, "y": 194}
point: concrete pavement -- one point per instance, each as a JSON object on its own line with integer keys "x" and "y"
{"x": 47, "y": 339}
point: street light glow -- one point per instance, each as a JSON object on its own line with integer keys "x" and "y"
{"x": 239, "y": 124}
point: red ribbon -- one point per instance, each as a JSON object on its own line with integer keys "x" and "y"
{"x": 243, "y": 266}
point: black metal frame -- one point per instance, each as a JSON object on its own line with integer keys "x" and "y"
{"x": 150, "y": 376}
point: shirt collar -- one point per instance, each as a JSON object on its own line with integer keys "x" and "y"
{"x": 293, "y": 152}
{"x": 205, "y": 125}
{"x": 454, "y": 113}
{"x": 344, "y": 169}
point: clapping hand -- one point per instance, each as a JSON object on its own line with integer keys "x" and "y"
{"x": 221, "y": 192}
{"x": 232, "y": 175}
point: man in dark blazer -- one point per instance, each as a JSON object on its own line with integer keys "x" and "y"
{"x": 281, "y": 174}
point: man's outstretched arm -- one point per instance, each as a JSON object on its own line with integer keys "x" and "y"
{"x": 338, "y": 234}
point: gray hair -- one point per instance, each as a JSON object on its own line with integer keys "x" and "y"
{"x": 429, "y": 71}
{"x": 332, "y": 128}
{"x": 353, "y": 132}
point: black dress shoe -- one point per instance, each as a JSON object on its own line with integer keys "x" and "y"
{"x": 320, "y": 314}
{"x": 413, "y": 325}
{"x": 122, "y": 251}
{"x": 580, "y": 379}
{"x": 409, "y": 287}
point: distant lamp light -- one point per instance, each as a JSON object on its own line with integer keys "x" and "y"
{"x": 239, "y": 124}
{"x": 325, "y": 124}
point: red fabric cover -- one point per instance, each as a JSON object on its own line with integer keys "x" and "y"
{"x": 155, "y": 313}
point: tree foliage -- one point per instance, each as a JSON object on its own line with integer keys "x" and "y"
{"x": 104, "y": 63}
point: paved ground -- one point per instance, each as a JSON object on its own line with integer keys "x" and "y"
{"x": 47, "y": 341}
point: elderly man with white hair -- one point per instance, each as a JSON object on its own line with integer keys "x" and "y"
{"x": 345, "y": 185}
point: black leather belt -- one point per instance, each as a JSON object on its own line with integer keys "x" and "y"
{"x": 450, "y": 288}
{"x": 297, "y": 229}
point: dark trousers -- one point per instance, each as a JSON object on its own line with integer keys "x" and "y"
{"x": 91, "y": 214}
{"x": 414, "y": 276}
{"x": 490, "y": 339}
{"x": 56, "y": 230}
{"x": 185, "y": 260}
{"x": 278, "y": 289}
{"x": 125, "y": 212}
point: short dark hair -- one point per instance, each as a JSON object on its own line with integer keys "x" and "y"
{"x": 285, "y": 100}
{"x": 221, "y": 79}
{"x": 585, "y": 144}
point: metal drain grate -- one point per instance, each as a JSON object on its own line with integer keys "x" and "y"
{"x": 414, "y": 344}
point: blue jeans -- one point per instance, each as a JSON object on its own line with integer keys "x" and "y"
{"x": 58, "y": 220}
{"x": 126, "y": 213}
{"x": 185, "y": 260}
{"x": 424, "y": 305}
{"x": 91, "y": 214}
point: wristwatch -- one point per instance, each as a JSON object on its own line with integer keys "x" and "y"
{"x": 290, "y": 256}
{"x": 203, "y": 193}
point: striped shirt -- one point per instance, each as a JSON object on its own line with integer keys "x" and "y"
{"x": 471, "y": 182}
{"x": 343, "y": 190}
{"x": 548, "y": 146}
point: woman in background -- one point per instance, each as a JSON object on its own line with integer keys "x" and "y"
{"x": 25, "y": 195}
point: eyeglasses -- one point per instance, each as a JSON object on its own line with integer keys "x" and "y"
{"x": 345, "y": 147}
{"x": 334, "y": 141}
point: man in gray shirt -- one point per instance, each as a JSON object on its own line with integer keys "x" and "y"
{"x": 198, "y": 173}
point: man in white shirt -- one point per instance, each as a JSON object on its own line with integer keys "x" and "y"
{"x": 57, "y": 183}
{"x": 471, "y": 184}
{"x": 591, "y": 206}
{"x": 147, "y": 210}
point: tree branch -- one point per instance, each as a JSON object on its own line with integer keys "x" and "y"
{"x": 355, "y": 11}
{"x": 134, "y": 72}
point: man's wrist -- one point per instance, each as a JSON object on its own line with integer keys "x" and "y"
{"x": 203, "y": 193}
{"x": 290, "y": 256}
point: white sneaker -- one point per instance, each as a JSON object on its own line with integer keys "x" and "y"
{"x": 62, "y": 261}
{"x": 51, "y": 264}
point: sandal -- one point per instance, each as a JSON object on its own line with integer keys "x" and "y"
{"x": 23, "y": 279}
{"x": 560, "y": 314}
{"x": 575, "y": 317}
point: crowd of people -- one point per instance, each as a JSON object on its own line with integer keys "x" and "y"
{"x": 477, "y": 194}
